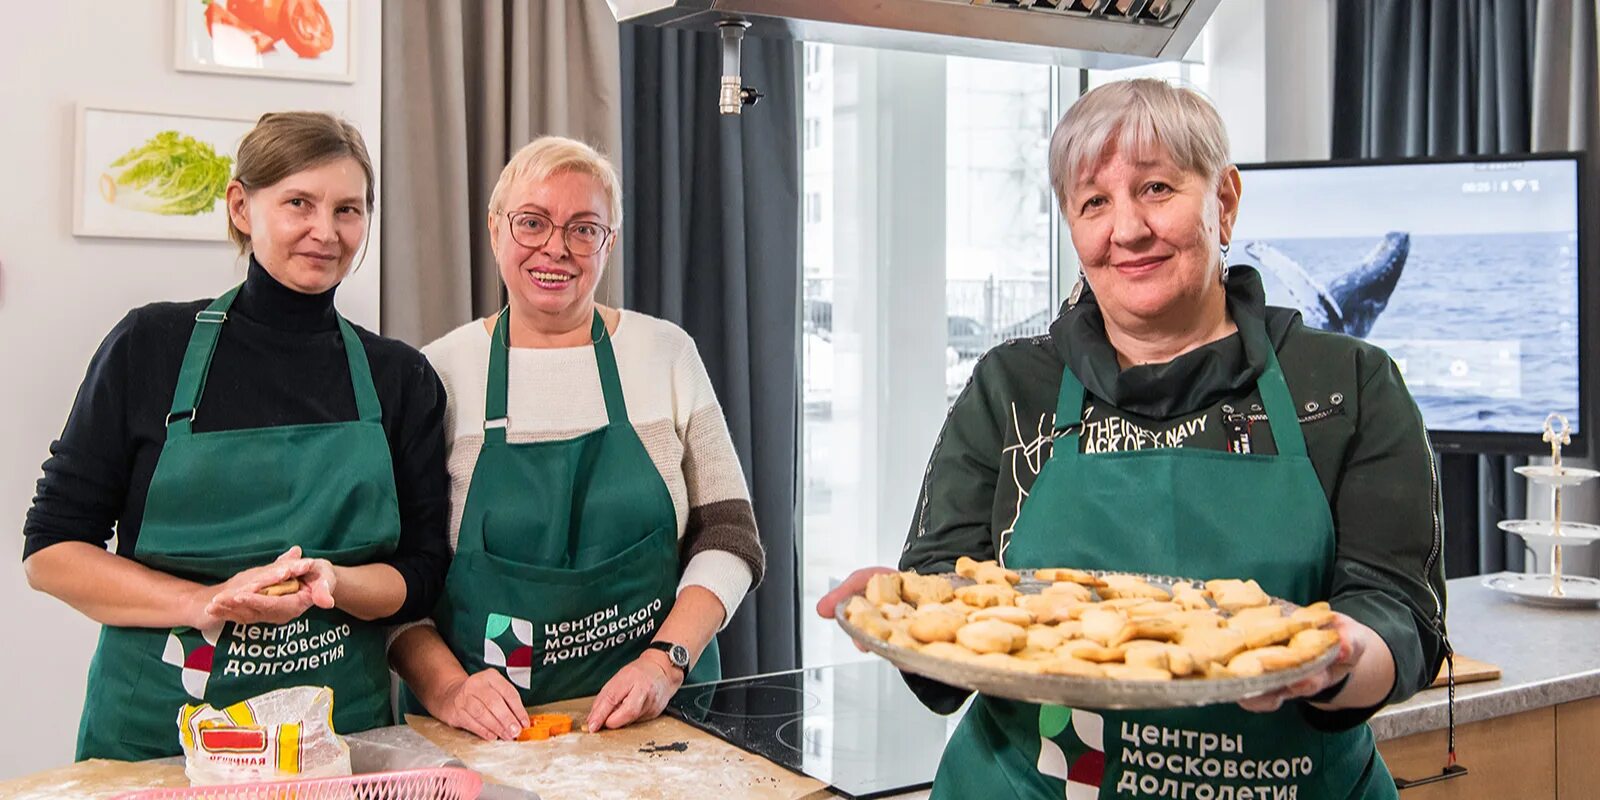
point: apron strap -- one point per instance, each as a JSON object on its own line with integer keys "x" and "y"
{"x": 1281, "y": 416}
{"x": 203, "y": 346}
{"x": 368, "y": 409}
{"x": 494, "y": 407}
{"x": 494, "y": 398}
{"x": 610, "y": 380}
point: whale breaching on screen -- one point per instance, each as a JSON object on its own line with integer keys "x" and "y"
{"x": 1354, "y": 301}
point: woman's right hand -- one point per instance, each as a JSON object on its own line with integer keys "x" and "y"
{"x": 485, "y": 704}
{"x": 239, "y": 599}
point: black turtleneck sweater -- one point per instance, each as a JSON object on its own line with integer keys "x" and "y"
{"x": 279, "y": 361}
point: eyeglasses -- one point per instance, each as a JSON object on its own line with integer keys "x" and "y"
{"x": 532, "y": 230}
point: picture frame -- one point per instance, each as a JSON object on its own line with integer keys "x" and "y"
{"x": 232, "y": 37}
{"x": 150, "y": 174}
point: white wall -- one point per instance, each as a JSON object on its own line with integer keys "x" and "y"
{"x": 1269, "y": 69}
{"x": 59, "y": 295}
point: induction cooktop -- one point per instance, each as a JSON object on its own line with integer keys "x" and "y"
{"x": 853, "y": 726}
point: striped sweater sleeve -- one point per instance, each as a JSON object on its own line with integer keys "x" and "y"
{"x": 721, "y": 549}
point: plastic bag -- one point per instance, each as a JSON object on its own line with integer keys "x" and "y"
{"x": 281, "y": 735}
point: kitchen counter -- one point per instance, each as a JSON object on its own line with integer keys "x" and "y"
{"x": 1547, "y": 656}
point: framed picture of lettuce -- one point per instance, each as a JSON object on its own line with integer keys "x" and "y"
{"x": 154, "y": 175}
{"x": 309, "y": 40}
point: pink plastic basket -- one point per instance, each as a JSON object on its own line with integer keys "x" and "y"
{"x": 443, "y": 783}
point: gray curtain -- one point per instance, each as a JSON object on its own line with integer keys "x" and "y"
{"x": 466, "y": 83}
{"x": 713, "y": 210}
{"x": 1453, "y": 77}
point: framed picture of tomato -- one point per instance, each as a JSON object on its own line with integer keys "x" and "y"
{"x": 311, "y": 40}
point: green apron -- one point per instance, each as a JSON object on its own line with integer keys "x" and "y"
{"x": 226, "y": 501}
{"x": 1176, "y": 511}
{"x": 567, "y": 558}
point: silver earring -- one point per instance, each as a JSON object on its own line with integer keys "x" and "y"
{"x": 1225, "y": 264}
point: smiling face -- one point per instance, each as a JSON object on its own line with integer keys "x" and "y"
{"x": 305, "y": 230}
{"x": 1148, "y": 233}
{"x": 549, "y": 283}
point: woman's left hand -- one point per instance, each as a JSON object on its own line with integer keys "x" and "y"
{"x": 317, "y": 581}
{"x": 1363, "y": 657}
{"x": 639, "y": 691}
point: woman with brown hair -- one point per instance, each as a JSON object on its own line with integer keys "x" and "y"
{"x": 274, "y": 475}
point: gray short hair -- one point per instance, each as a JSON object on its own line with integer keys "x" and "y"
{"x": 1137, "y": 117}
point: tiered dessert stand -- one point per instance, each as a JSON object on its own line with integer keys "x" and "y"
{"x": 1552, "y": 535}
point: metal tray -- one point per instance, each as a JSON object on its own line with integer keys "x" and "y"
{"x": 1082, "y": 692}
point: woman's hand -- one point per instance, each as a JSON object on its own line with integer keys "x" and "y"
{"x": 485, "y": 704}
{"x": 240, "y": 600}
{"x": 1363, "y": 657}
{"x": 853, "y": 585}
{"x": 639, "y": 691}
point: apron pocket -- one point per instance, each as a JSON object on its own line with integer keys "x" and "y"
{"x": 657, "y": 551}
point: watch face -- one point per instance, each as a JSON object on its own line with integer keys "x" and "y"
{"x": 680, "y": 656}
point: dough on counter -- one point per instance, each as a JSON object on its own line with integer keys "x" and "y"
{"x": 967, "y": 567}
{"x": 991, "y": 636}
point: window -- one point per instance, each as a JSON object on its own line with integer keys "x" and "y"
{"x": 914, "y": 273}
{"x": 813, "y": 132}
{"x": 813, "y": 208}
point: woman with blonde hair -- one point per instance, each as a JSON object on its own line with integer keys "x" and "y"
{"x": 603, "y": 531}
{"x": 274, "y": 475}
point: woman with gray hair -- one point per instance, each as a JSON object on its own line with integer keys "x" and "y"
{"x": 1183, "y": 427}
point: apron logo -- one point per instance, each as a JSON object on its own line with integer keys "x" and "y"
{"x": 1078, "y": 757}
{"x": 192, "y": 651}
{"x": 508, "y": 644}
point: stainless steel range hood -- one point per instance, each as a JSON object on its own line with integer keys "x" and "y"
{"x": 1098, "y": 34}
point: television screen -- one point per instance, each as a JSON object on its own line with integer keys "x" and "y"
{"x": 1466, "y": 272}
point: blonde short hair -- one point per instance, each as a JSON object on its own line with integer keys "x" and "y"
{"x": 1137, "y": 117}
{"x": 550, "y": 155}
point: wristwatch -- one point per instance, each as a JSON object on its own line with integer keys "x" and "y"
{"x": 676, "y": 653}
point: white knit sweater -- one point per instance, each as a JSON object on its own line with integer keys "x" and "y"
{"x": 555, "y": 394}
